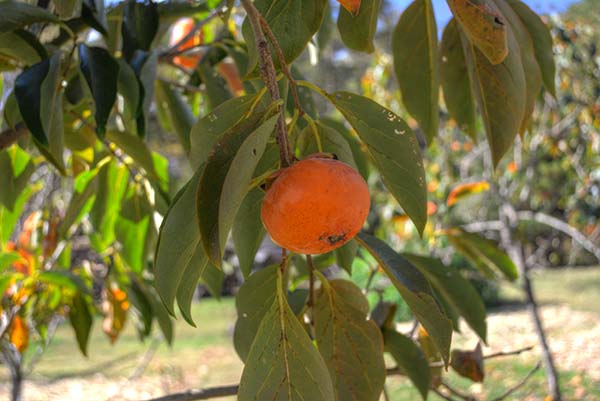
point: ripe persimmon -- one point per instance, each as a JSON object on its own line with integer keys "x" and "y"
{"x": 180, "y": 29}
{"x": 315, "y": 206}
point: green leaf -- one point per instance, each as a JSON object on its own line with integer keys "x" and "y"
{"x": 177, "y": 110}
{"x": 211, "y": 127}
{"x": 542, "y": 42}
{"x": 131, "y": 229}
{"x": 283, "y": 363}
{"x": 16, "y": 168}
{"x": 7, "y": 259}
{"x": 357, "y": 32}
{"x": 500, "y": 91}
{"x": 15, "y": 15}
{"x": 23, "y": 46}
{"x": 393, "y": 148}
{"x": 414, "y": 289}
{"x": 293, "y": 22}
{"x": 68, "y": 9}
{"x": 416, "y": 63}
{"x": 247, "y": 231}
{"x": 331, "y": 142}
{"x": 345, "y": 255}
{"x": 129, "y": 88}
{"x": 81, "y": 320}
{"x": 216, "y": 89}
{"x": 483, "y": 253}
{"x": 410, "y": 359}
{"x": 86, "y": 187}
{"x": 455, "y": 289}
{"x": 485, "y": 26}
{"x": 141, "y": 307}
{"x": 101, "y": 71}
{"x": 224, "y": 182}
{"x": 8, "y": 218}
{"x": 351, "y": 345}
{"x": 456, "y": 85}
{"x": 162, "y": 316}
{"x": 531, "y": 69}
{"x": 139, "y": 27}
{"x": 252, "y": 303}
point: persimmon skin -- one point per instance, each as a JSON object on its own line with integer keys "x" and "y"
{"x": 315, "y": 206}
{"x": 180, "y": 29}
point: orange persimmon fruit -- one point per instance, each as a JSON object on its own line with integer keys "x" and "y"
{"x": 315, "y": 206}
{"x": 180, "y": 29}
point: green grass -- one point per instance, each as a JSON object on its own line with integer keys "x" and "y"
{"x": 575, "y": 287}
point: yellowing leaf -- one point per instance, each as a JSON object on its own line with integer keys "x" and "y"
{"x": 484, "y": 25}
{"x": 463, "y": 190}
{"x": 115, "y": 313}
{"x": 19, "y": 333}
{"x": 353, "y": 6}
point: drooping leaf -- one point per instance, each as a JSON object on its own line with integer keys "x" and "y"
{"x": 331, "y": 142}
{"x": 358, "y": 30}
{"x": 500, "y": 91}
{"x": 132, "y": 228}
{"x": 129, "y": 88}
{"x": 393, "y": 148}
{"x": 67, "y": 9}
{"x": 414, "y": 289}
{"x": 295, "y": 20}
{"x": 410, "y": 359}
{"x": 247, "y": 231}
{"x": 531, "y": 68}
{"x": 483, "y": 253}
{"x": 462, "y": 191}
{"x": 484, "y": 25}
{"x": 23, "y": 46}
{"x": 101, "y": 72}
{"x": 139, "y": 27}
{"x": 351, "y": 345}
{"x": 455, "y": 289}
{"x": 177, "y": 111}
{"x": 141, "y": 308}
{"x": 81, "y": 320}
{"x": 8, "y": 218}
{"x": 225, "y": 179}
{"x": 162, "y": 316}
{"x": 15, "y": 15}
{"x": 542, "y": 42}
{"x": 252, "y": 303}
{"x": 209, "y": 128}
{"x": 282, "y": 362}
{"x": 86, "y": 187}
{"x": 345, "y": 255}
{"x": 469, "y": 364}
{"x": 416, "y": 63}
{"x": 216, "y": 89}
{"x": 454, "y": 76}
{"x": 17, "y": 168}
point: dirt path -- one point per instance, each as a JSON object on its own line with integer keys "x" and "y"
{"x": 574, "y": 338}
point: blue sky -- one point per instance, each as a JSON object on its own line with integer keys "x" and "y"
{"x": 442, "y": 11}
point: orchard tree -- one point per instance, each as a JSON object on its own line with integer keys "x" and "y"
{"x": 90, "y": 224}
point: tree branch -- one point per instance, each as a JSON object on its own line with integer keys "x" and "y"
{"x": 520, "y": 384}
{"x": 200, "y": 394}
{"x": 269, "y": 77}
{"x": 10, "y": 136}
{"x": 510, "y": 353}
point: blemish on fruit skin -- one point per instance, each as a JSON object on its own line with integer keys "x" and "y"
{"x": 334, "y": 238}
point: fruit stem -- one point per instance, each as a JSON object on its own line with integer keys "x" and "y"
{"x": 269, "y": 77}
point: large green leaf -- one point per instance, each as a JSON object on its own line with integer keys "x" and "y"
{"x": 23, "y": 46}
{"x": 345, "y": 255}
{"x": 283, "y": 364}
{"x": 68, "y": 9}
{"x": 358, "y": 31}
{"x": 484, "y": 25}
{"x": 215, "y": 86}
{"x": 177, "y": 111}
{"x": 81, "y": 321}
{"x": 247, "y": 231}
{"x": 331, "y": 142}
{"x": 17, "y": 168}
{"x": 225, "y": 179}
{"x": 455, "y": 289}
{"x": 483, "y": 253}
{"x": 162, "y": 316}
{"x": 82, "y": 200}
{"x": 414, "y": 289}
{"x": 410, "y": 359}
{"x": 416, "y": 63}
{"x": 209, "y": 128}
{"x": 101, "y": 71}
{"x": 132, "y": 228}
{"x": 542, "y": 42}
{"x": 252, "y": 303}
{"x": 456, "y": 85}
{"x": 531, "y": 68}
{"x": 501, "y": 94}
{"x": 139, "y": 27}
{"x": 15, "y": 15}
{"x": 351, "y": 345}
{"x": 8, "y": 218}
{"x": 293, "y": 22}
{"x": 393, "y": 148}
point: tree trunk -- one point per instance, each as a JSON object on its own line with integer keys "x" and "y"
{"x": 12, "y": 359}
{"x": 509, "y": 221}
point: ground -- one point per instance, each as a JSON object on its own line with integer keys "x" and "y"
{"x": 204, "y": 356}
